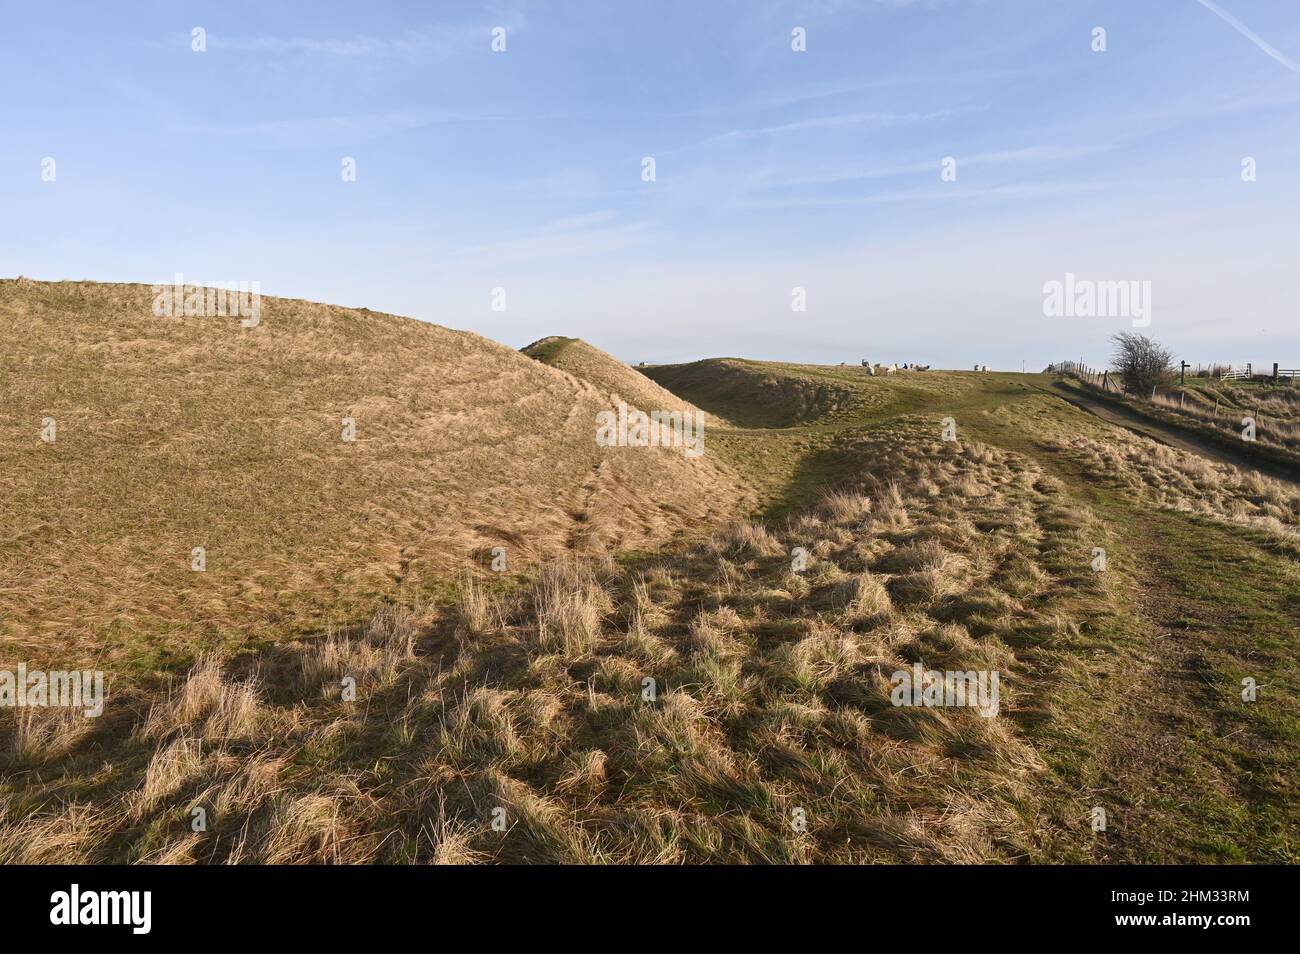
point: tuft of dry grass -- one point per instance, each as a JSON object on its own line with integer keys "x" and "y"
{"x": 569, "y": 604}
{"x": 844, "y": 507}
{"x": 746, "y": 539}
{"x": 46, "y": 734}
{"x": 479, "y": 612}
{"x": 170, "y": 767}
{"x": 864, "y": 597}
{"x": 227, "y": 710}
{"x": 68, "y": 833}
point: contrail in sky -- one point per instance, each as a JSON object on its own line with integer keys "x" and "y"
{"x": 1250, "y": 35}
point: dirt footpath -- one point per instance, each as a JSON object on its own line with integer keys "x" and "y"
{"x": 1173, "y": 436}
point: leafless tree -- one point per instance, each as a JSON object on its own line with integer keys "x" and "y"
{"x": 1141, "y": 362}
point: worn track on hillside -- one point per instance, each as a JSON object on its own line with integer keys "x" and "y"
{"x": 1172, "y": 436}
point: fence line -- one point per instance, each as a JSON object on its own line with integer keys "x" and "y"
{"x": 1221, "y": 372}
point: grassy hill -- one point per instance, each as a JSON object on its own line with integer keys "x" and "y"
{"x": 726, "y": 696}
{"x": 176, "y": 433}
{"x": 757, "y": 394}
{"x": 613, "y": 379}
{"x": 776, "y": 394}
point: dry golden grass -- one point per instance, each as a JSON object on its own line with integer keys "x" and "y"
{"x": 613, "y": 713}
{"x": 1176, "y": 480}
{"x": 1222, "y": 405}
{"x": 569, "y": 605}
{"x": 40, "y": 734}
{"x": 775, "y": 394}
{"x": 746, "y": 538}
{"x": 613, "y": 380}
{"x": 479, "y": 611}
{"x": 176, "y": 433}
{"x": 681, "y": 704}
{"x": 864, "y": 597}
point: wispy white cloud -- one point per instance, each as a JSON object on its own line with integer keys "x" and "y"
{"x": 1251, "y": 35}
{"x": 838, "y": 120}
{"x": 1025, "y": 154}
{"x": 426, "y": 41}
{"x": 282, "y": 45}
{"x": 317, "y": 129}
{"x": 1038, "y": 154}
{"x": 574, "y": 223}
{"x": 957, "y": 78}
{"x": 832, "y": 121}
{"x": 1011, "y": 191}
{"x": 568, "y": 239}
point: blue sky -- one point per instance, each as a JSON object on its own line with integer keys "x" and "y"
{"x": 774, "y": 168}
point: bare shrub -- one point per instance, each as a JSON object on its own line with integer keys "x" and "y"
{"x": 1141, "y": 362}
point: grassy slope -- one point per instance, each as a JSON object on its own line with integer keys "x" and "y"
{"x": 760, "y": 394}
{"x": 177, "y": 433}
{"x": 1154, "y": 723}
{"x": 796, "y": 421}
{"x": 1212, "y": 754}
{"x": 1277, "y": 443}
{"x": 1122, "y": 689}
{"x": 613, "y": 379}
